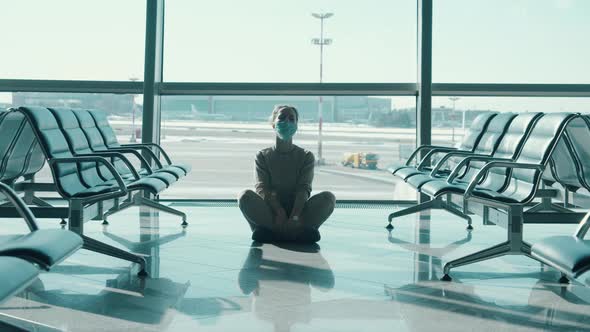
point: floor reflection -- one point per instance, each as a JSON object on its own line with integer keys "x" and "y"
{"x": 278, "y": 278}
{"x": 209, "y": 279}
{"x": 445, "y": 304}
{"x": 125, "y": 296}
{"x": 550, "y": 305}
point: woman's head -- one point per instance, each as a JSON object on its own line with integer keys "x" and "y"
{"x": 284, "y": 120}
{"x": 283, "y": 113}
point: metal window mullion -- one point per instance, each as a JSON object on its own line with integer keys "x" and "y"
{"x": 292, "y": 89}
{"x": 154, "y": 39}
{"x": 424, "y": 79}
{"x": 69, "y": 86}
{"x": 245, "y": 88}
{"x": 510, "y": 90}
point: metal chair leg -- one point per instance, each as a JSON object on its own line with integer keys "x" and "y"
{"x": 123, "y": 206}
{"x": 103, "y": 248}
{"x": 459, "y": 214}
{"x": 432, "y": 204}
{"x": 488, "y": 253}
{"x": 161, "y": 207}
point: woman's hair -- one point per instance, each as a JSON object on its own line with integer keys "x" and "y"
{"x": 278, "y": 108}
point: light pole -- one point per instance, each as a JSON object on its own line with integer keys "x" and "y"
{"x": 454, "y": 99}
{"x": 133, "y": 138}
{"x": 321, "y": 42}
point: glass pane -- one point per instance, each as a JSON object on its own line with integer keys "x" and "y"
{"x": 508, "y": 41}
{"x": 216, "y": 41}
{"x": 72, "y": 39}
{"x": 452, "y": 114}
{"x": 220, "y": 135}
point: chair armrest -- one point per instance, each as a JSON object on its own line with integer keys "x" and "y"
{"x": 469, "y": 159}
{"x": 495, "y": 164}
{"x": 151, "y": 145}
{"x": 95, "y": 159}
{"x": 428, "y": 156}
{"x": 424, "y": 147}
{"x": 144, "y": 163}
{"x": 146, "y": 149}
{"x": 114, "y": 155}
{"x": 20, "y": 206}
{"x": 447, "y": 156}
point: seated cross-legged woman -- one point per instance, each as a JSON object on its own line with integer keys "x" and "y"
{"x": 281, "y": 208}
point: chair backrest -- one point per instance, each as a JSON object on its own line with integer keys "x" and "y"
{"x": 508, "y": 148}
{"x": 19, "y": 150}
{"x": 78, "y": 143}
{"x": 36, "y": 159}
{"x": 489, "y": 139}
{"x": 95, "y": 138}
{"x": 494, "y": 132}
{"x": 90, "y": 129}
{"x": 563, "y": 168}
{"x": 7, "y": 130}
{"x": 537, "y": 149}
{"x": 26, "y": 157}
{"x": 472, "y": 135}
{"x": 578, "y": 134}
{"x": 54, "y": 145}
{"x": 107, "y": 132}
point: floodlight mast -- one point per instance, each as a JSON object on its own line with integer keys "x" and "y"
{"x": 321, "y": 42}
{"x": 133, "y": 138}
{"x": 454, "y": 100}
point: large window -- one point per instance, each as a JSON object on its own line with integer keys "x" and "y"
{"x": 271, "y": 41}
{"x": 72, "y": 39}
{"x": 220, "y": 135}
{"x": 511, "y": 41}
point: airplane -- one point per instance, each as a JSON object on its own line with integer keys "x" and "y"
{"x": 195, "y": 114}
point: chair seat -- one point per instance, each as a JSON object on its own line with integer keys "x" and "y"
{"x": 166, "y": 177}
{"x": 45, "y": 247}
{"x": 418, "y": 180}
{"x": 150, "y": 183}
{"x": 16, "y": 275}
{"x": 185, "y": 167}
{"x": 566, "y": 252}
{"x": 174, "y": 170}
{"x": 153, "y": 182}
{"x": 396, "y": 167}
{"x": 491, "y": 194}
{"x": 406, "y": 172}
{"x": 439, "y": 187}
{"x": 96, "y": 190}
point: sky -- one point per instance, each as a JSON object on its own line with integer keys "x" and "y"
{"x": 474, "y": 41}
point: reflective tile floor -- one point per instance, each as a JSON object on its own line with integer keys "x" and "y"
{"x": 211, "y": 277}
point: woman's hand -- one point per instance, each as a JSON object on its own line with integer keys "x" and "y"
{"x": 281, "y": 217}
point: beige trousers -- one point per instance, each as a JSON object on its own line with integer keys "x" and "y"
{"x": 257, "y": 212}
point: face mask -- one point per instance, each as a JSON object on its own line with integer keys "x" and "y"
{"x": 285, "y": 129}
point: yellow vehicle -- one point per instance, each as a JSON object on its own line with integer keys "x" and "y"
{"x": 360, "y": 160}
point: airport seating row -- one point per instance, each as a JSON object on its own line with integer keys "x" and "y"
{"x": 95, "y": 174}
{"x": 504, "y": 162}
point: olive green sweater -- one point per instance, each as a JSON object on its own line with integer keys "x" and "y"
{"x": 284, "y": 173}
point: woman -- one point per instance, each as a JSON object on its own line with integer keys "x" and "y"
{"x": 281, "y": 208}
